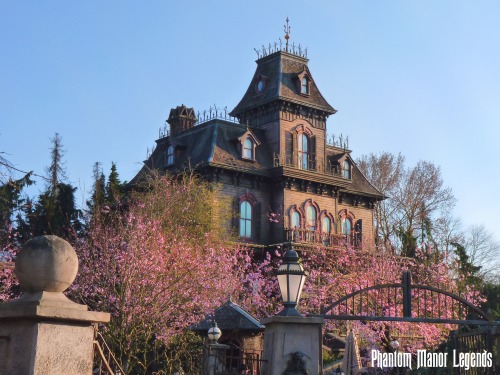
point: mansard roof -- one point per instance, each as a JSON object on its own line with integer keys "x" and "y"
{"x": 212, "y": 143}
{"x": 279, "y": 73}
{"x": 216, "y": 143}
{"x": 360, "y": 184}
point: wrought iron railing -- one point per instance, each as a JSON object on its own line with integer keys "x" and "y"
{"x": 316, "y": 237}
{"x": 213, "y": 113}
{"x": 308, "y": 163}
{"x": 105, "y": 363}
{"x": 480, "y": 341}
{"x": 249, "y": 364}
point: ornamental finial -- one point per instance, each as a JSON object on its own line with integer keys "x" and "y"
{"x": 287, "y": 34}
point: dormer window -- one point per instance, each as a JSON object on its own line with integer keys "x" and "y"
{"x": 260, "y": 83}
{"x": 248, "y": 149}
{"x": 346, "y": 169}
{"x": 304, "y": 86}
{"x": 170, "y": 155}
{"x": 303, "y": 83}
{"x": 247, "y": 145}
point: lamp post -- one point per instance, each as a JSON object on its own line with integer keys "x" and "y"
{"x": 214, "y": 362}
{"x": 395, "y": 346}
{"x": 214, "y": 333}
{"x": 291, "y": 278}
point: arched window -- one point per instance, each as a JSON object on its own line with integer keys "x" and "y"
{"x": 346, "y": 226}
{"x": 304, "y": 86}
{"x": 295, "y": 220}
{"x": 311, "y": 218}
{"x": 346, "y": 169}
{"x": 245, "y": 220}
{"x": 248, "y": 149}
{"x": 326, "y": 225}
{"x": 170, "y": 155}
{"x": 303, "y": 151}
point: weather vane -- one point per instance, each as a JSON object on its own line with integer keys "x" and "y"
{"x": 287, "y": 34}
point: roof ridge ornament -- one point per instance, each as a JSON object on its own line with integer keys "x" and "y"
{"x": 272, "y": 48}
{"x": 287, "y": 33}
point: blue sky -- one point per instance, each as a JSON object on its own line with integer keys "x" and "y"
{"x": 417, "y": 77}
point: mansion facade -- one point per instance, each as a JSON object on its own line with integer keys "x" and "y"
{"x": 271, "y": 156}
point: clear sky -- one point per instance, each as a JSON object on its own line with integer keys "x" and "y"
{"x": 421, "y": 77}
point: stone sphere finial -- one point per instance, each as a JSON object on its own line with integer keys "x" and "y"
{"x": 46, "y": 264}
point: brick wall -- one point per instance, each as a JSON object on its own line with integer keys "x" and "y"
{"x": 330, "y": 204}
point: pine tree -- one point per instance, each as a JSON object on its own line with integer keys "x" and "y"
{"x": 11, "y": 203}
{"x": 55, "y": 211}
{"x": 468, "y": 272}
{"x": 98, "y": 196}
{"x": 114, "y": 187}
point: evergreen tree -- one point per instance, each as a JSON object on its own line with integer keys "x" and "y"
{"x": 55, "y": 211}
{"x": 468, "y": 273}
{"x": 114, "y": 187}
{"x": 11, "y": 203}
{"x": 98, "y": 196}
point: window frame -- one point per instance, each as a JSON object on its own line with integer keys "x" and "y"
{"x": 303, "y": 156}
{"x": 245, "y": 149}
{"x": 170, "y": 155}
{"x": 314, "y": 218}
{"x": 246, "y": 220}
{"x": 346, "y": 169}
{"x": 304, "y": 89}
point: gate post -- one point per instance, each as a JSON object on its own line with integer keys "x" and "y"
{"x": 496, "y": 338}
{"x": 293, "y": 344}
{"x": 43, "y": 332}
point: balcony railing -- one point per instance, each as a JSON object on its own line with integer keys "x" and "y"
{"x": 325, "y": 239}
{"x": 307, "y": 163}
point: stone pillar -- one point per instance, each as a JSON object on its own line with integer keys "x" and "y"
{"x": 43, "y": 332}
{"x": 292, "y": 344}
{"x": 215, "y": 359}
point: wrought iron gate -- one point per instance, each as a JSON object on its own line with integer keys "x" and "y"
{"x": 407, "y": 302}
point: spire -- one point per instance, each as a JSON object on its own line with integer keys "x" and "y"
{"x": 287, "y": 33}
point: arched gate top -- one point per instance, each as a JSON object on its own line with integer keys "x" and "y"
{"x": 406, "y": 302}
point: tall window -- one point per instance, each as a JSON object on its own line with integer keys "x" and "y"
{"x": 295, "y": 222}
{"x": 304, "y": 87}
{"x": 326, "y": 225}
{"x": 248, "y": 149}
{"x": 346, "y": 169}
{"x": 245, "y": 220}
{"x": 346, "y": 226}
{"x": 303, "y": 151}
{"x": 170, "y": 155}
{"x": 311, "y": 218}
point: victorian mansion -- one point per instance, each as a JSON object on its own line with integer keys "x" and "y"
{"x": 271, "y": 155}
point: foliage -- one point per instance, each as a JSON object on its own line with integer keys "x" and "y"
{"x": 333, "y": 274}
{"x": 55, "y": 211}
{"x": 11, "y": 202}
{"x": 467, "y": 272}
{"x": 158, "y": 267}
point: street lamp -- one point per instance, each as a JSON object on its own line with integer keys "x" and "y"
{"x": 395, "y": 345}
{"x": 291, "y": 278}
{"x": 214, "y": 333}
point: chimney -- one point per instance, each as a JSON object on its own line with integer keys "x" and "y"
{"x": 181, "y": 118}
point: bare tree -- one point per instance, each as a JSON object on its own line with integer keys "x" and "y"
{"x": 483, "y": 251}
{"x": 384, "y": 171}
{"x": 416, "y": 199}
